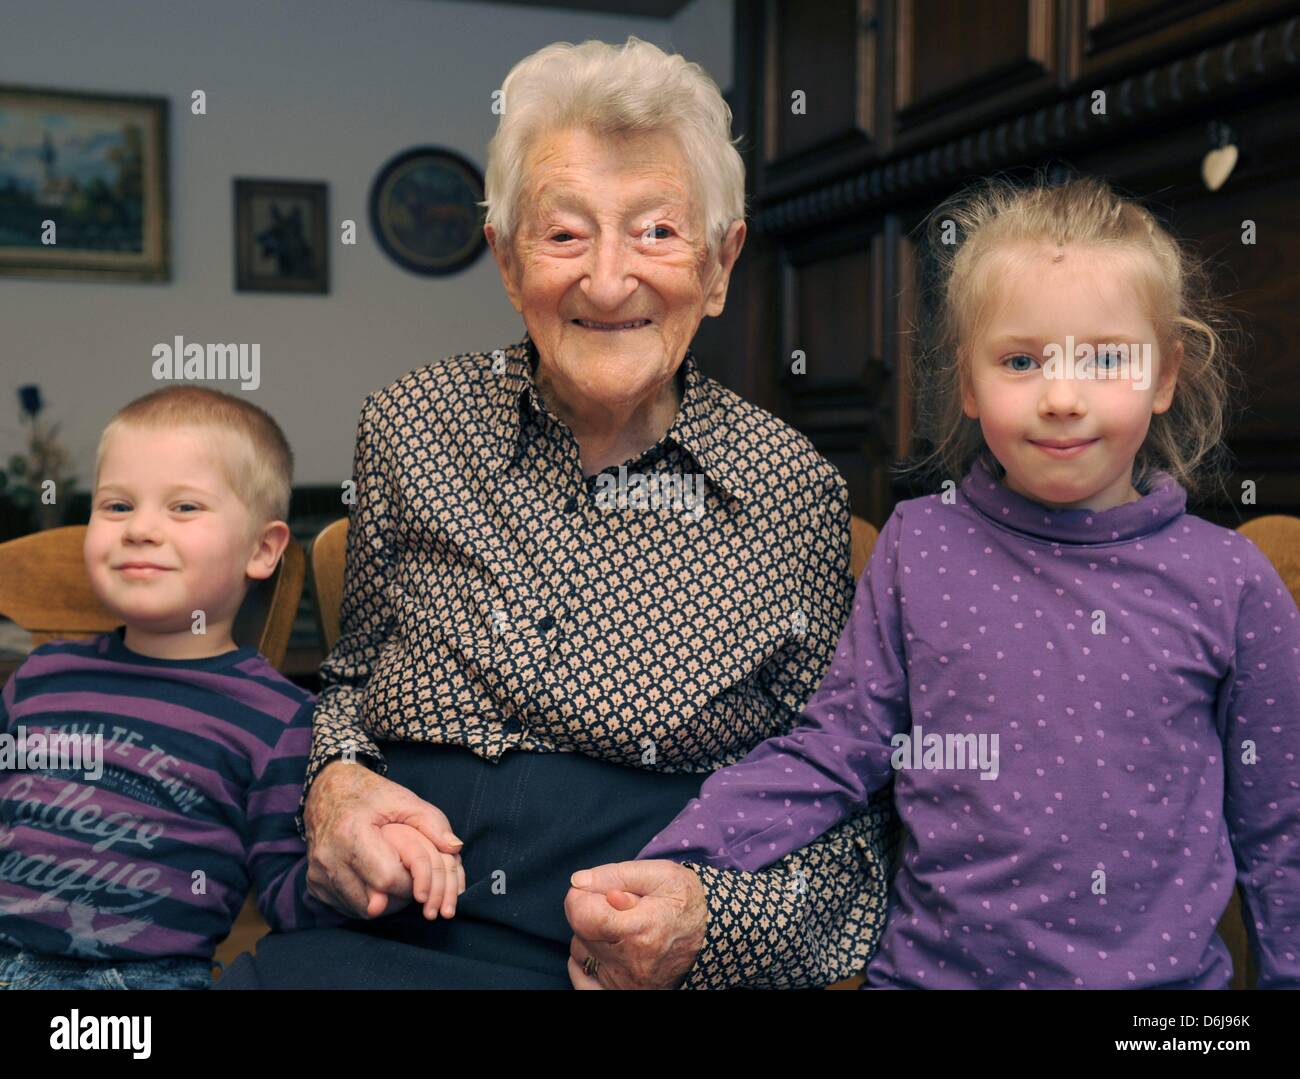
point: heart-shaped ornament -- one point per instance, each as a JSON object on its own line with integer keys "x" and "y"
{"x": 1218, "y": 166}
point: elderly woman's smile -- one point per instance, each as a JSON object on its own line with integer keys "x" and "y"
{"x": 634, "y": 324}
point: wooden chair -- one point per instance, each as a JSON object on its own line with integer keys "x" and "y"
{"x": 325, "y": 566}
{"x": 863, "y": 537}
{"x": 329, "y": 550}
{"x": 1278, "y": 537}
{"x": 324, "y": 569}
{"x": 44, "y": 588}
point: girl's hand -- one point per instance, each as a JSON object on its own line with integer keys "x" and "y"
{"x": 437, "y": 878}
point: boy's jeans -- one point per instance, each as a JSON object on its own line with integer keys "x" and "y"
{"x": 31, "y": 970}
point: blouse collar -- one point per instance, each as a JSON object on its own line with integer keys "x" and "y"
{"x": 699, "y": 426}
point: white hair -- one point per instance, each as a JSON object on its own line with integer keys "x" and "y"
{"x": 608, "y": 90}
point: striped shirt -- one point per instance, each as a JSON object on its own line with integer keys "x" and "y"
{"x": 182, "y": 800}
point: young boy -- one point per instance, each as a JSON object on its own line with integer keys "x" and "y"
{"x": 153, "y": 773}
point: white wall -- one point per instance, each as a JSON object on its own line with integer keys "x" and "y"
{"x": 321, "y": 90}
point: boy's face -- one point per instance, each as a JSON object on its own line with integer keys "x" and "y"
{"x": 168, "y": 536}
{"x": 1023, "y": 401}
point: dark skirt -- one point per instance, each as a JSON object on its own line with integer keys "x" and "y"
{"x": 529, "y": 822}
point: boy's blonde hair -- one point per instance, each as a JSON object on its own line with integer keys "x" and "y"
{"x": 259, "y": 464}
{"x": 964, "y": 236}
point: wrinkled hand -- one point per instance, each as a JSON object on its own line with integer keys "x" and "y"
{"x": 643, "y": 920}
{"x": 351, "y": 865}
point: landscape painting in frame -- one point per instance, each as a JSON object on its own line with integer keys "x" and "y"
{"x": 90, "y": 172}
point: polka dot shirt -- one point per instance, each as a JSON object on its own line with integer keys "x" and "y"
{"x": 1091, "y": 721}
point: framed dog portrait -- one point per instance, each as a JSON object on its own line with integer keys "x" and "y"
{"x": 280, "y": 236}
{"x": 83, "y": 185}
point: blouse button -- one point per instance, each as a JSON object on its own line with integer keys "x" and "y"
{"x": 513, "y": 726}
{"x": 571, "y": 504}
{"x": 546, "y": 622}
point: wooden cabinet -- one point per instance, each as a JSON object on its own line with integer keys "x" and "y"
{"x": 908, "y": 100}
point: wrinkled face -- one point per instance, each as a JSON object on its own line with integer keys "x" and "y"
{"x": 167, "y": 534}
{"x": 609, "y": 266}
{"x": 1041, "y": 373}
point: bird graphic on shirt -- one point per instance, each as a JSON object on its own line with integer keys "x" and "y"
{"x": 87, "y": 941}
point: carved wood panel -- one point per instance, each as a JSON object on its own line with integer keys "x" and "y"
{"x": 956, "y": 60}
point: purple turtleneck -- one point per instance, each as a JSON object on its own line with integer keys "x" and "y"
{"x": 1092, "y": 721}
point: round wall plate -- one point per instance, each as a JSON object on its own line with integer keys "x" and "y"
{"x": 423, "y": 210}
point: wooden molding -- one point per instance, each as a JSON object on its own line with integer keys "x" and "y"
{"x": 1214, "y": 75}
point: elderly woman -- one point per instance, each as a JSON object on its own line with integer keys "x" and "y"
{"x": 580, "y": 576}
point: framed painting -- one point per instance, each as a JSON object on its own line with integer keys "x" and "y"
{"x": 280, "y": 236}
{"x": 424, "y": 212}
{"x": 83, "y": 185}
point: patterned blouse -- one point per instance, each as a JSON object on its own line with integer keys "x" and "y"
{"x": 669, "y": 614}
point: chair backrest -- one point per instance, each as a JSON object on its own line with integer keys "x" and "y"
{"x": 863, "y": 539}
{"x": 325, "y": 564}
{"x": 44, "y": 588}
{"x": 1278, "y": 536}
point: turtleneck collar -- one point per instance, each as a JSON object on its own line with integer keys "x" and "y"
{"x": 1164, "y": 501}
{"x": 113, "y": 645}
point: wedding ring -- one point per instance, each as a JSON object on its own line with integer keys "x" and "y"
{"x": 590, "y": 965}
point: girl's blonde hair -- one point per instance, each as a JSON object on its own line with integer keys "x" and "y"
{"x": 963, "y": 236}
{"x": 254, "y": 456}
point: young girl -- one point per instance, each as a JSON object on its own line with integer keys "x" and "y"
{"x": 1087, "y": 698}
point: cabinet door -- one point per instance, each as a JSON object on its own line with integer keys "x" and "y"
{"x": 819, "y": 88}
{"x": 837, "y": 383}
{"x": 959, "y": 63}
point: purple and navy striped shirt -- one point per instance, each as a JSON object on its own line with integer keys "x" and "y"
{"x": 200, "y": 775}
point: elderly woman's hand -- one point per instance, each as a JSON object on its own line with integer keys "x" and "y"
{"x": 644, "y": 922}
{"x": 355, "y": 868}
